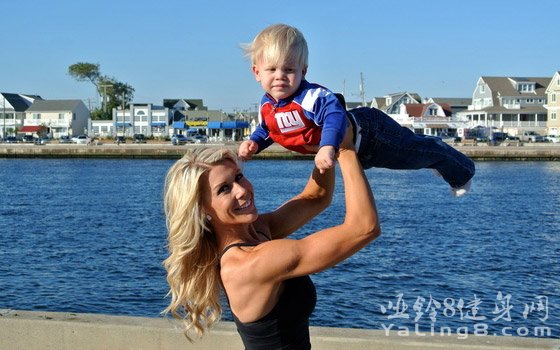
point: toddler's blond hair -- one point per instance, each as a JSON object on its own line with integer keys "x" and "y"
{"x": 278, "y": 43}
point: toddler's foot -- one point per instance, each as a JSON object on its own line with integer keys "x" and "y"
{"x": 460, "y": 191}
{"x": 457, "y": 191}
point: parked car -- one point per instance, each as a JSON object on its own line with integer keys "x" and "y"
{"x": 180, "y": 139}
{"x": 81, "y": 139}
{"x": 139, "y": 138}
{"x": 11, "y": 139}
{"x": 552, "y": 138}
{"x": 65, "y": 139}
{"x": 200, "y": 139}
{"x": 27, "y": 139}
{"x": 42, "y": 141}
{"x": 531, "y": 136}
{"x": 120, "y": 139}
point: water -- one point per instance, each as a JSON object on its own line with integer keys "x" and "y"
{"x": 82, "y": 235}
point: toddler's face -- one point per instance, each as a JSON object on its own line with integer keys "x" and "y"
{"x": 280, "y": 80}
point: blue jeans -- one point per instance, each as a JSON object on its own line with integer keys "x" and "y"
{"x": 385, "y": 143}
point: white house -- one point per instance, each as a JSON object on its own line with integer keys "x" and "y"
{"x": 512, "y": 104}
{"x": 140, "y": 118}
{"x": 391, "y": 104}
{"x": 553, "y": 105}
{"x": 12, "y": 111}
{"x": 61, "y": 117}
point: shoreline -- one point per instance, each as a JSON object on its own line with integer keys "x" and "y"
{"x": 527, "y": 152}
{"x": 39, "y": 330}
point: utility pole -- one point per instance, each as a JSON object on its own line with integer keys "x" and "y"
{"x": 4, "y": 115}
{"x": 105, "y": 86}
{"x": 362, "y": 90}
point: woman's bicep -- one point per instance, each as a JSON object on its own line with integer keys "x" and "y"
{"x": 286, "y": 258}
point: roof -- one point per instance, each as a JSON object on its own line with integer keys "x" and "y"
{"x": 20, "y": 102}
{"x": 192, "y": 102}
{"x": 54, "y": 105}
{"x": 504, "y": 86}
{"x": 419, "y": 110}
{"x": 453, "y": 101}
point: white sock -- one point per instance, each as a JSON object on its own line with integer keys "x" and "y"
{"x": 460, "y": 191}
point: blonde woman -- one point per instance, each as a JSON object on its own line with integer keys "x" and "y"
{"x": 218, "y": 239}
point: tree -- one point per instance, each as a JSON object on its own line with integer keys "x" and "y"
{"x": 113, "y": 92}
{"x": 83, "y": 71}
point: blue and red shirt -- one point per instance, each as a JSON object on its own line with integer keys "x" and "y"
{"x": 312, "y": 116}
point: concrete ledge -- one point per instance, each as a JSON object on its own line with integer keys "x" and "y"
{"x": 536, "y": 151}
{"x": 31, "y": 330}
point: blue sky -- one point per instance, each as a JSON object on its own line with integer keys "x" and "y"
{"x": 186, "y": 49}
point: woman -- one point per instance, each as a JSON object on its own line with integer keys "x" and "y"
{"x": 218, "y": 239}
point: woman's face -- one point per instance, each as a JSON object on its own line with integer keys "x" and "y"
{"x": 228, "y": 196}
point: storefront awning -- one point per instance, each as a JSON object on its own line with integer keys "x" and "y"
{"x": 123, "y": 124}
{"x": 180, "y": 125}
{"x": 30, "y": 128}
{"x": 159, "y": 124}
{"x": 228, "y": 125}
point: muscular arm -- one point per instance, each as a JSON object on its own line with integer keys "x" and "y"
{"x": 325, "y": 248}
{"x": 315, "y": 197}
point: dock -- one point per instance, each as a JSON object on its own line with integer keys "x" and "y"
{"x": 526, "y": 152}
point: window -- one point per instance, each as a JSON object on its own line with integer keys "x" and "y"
{"x": 482, "y": 89}
{"x": 433, "y": 111}
{"x": 36, "y": 116}
{"x": 525, "y": 87}
{"x": 553, "y": 116}
{"x": 530, "y": 100}
{"x": 60, "y": 116}
{"x": 553, "y": 97}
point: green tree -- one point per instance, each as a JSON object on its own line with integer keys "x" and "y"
{"x": 112, "y": 92}
{"x": 83, "y": 71}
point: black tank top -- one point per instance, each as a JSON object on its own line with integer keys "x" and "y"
{"x": 286, "y": 326}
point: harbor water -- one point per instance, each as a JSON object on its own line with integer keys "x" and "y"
{"x": 88, "y": 236}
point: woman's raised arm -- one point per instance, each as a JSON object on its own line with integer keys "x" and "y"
{"x": 290, "y": 258}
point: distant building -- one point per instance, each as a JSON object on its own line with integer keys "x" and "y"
{"x": 511, "y": 104}
{"x": 391, "y": 104}
{"x": 140, "y": 118}
{"x": 457, "y": 104}
{"x": 61, "y": 117}
{"x": 553, "y": 105}
{"x": 12, "y": 110}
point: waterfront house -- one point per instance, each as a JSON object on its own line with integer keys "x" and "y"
{"x": 553, "y": 105}
{"x": 391, "y": 103}
{"x": 511, "y": 104}
{"x": 429, "y": 119}
{"x": 60, "y": 117}
{"x": 457, "y": 104}
{"x": 12, "y": 110}
{"x": 139, "y": 118}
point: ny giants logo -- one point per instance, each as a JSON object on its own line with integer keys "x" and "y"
{"x": 289, "y": 121}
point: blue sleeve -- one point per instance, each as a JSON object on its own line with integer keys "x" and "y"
{"x": 261, "y": 137}
{"x": 330, "y": 115}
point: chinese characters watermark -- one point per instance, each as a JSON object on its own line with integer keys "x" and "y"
{"x": 430, "y": 308}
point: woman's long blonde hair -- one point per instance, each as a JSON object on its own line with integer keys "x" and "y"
{"x": 192, "y": 265}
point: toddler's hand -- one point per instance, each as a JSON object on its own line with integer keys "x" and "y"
{"x": 247, "y": 149}
{"x": 324, "y": 159}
